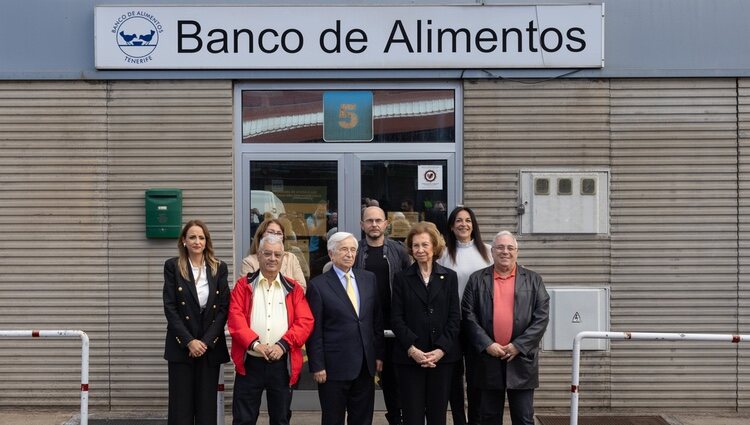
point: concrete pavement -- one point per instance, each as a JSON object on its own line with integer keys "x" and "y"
{"x": 33, "y": 417}
{"x": 40, "y": 417}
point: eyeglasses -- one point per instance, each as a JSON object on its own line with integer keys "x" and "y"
{"x": 269, "y": 254}
{"x": 373, "y": 221}
{"x": 501, "y": 248}
{"x": 271, "y": 232}
{"x": 352, "y": 251}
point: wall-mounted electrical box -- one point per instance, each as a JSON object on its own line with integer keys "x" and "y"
{"x": 574, "y": 310}
{"x": 564, "y": 202}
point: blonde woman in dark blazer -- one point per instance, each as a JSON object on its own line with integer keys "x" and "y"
{"x": 196, "y": 302}
{"x": 425, "y": 317}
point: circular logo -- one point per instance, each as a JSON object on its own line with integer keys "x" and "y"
{"x": 430, "y": 176}
{"x": 137, "y": 37}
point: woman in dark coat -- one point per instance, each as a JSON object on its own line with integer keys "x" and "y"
{"x": 426, "y": 319}
{"x": 196, "y": 302}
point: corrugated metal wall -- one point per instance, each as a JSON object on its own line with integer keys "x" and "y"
{"x": 161, "y": 134}
{"x": 674, "y": 240}
{"x": 509, "y": 126}
{"x": 75, "y": 158}
{"x": 672, "y": 258}
{"x": 75, "y": 161}
{"x": 743, "y": 113}
{"x": 53, "y": 239}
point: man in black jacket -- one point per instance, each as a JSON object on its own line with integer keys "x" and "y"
{"x": 505, "y": 313}
{"x": 384, "y": 257}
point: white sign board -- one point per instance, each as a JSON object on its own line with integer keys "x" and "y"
{"x": 349, "y": 37}
{"x": 430, "y": 177}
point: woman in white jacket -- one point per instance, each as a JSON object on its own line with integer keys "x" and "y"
{"x": 465, "y": 253}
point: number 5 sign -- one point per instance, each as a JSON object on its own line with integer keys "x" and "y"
{"x": 347, "y": 116}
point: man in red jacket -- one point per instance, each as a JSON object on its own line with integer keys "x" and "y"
{"x": 269, "y": 320}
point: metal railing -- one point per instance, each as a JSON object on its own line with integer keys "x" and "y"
{"x": 574, "y": 387}
{"x": 220, "y": 396}
{"x": 84, "y": 358}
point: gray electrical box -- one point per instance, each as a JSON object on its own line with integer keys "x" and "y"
{"x": 574, "y": 310}
{"x": 565, "y": 202}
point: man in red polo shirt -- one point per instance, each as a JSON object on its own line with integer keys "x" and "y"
{"x": 505, "y": 313}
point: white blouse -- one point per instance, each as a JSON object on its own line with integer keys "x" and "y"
{"x": 201, "y": 283}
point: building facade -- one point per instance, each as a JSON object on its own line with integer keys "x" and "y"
{"x": 660, "y": 130}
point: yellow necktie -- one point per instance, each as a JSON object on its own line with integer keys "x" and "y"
{"x": 350, "y": 292}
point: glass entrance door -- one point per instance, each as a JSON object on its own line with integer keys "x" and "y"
{"x": 296, "y": 164}
{"x": 314, "y": 195}
{"x": 303, "y": 196}
{"x": 408, "y": 191}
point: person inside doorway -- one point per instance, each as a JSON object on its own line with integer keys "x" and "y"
{"x": 317, "y": 227}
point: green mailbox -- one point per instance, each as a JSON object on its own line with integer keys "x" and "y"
{"x": 163, "y": 213}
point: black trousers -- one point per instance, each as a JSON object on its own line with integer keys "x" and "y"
{"x": 520, "y": 404}
{"x": 353, "y": 400}
{"x": 192, "y": 392}
{"x": 425, "y": 393}
{"x": 389, "y": 384}
{"x": 457, "y": 395}
{"x": 273, "y": 377}
{"x": 473, "y": 393}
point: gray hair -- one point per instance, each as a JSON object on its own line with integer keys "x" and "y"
{"x": 270, "y": 239}
{"x": 505, "y": 233}
{"x": 336, "y": 238}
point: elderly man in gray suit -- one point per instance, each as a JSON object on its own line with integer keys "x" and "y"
{"x": 505, "y": 313}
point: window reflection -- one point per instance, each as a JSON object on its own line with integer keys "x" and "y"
{"x": 302, "y": 195}
{"x": 393, "y": 186}
{"x": 296, "y": 116}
